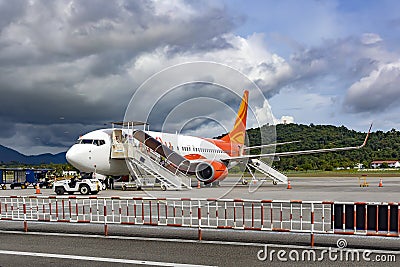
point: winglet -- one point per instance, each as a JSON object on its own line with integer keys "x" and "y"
{"x": 366, "y": 138}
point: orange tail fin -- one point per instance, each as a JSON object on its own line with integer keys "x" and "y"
{"x": 237, "y": 135}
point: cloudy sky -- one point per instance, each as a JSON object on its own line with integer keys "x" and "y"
{"x": 68, "y": 67}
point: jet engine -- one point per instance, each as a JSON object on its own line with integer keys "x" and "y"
{"x": 210, "y": 171}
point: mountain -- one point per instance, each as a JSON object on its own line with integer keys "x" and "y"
{"x": 8, "y": 155}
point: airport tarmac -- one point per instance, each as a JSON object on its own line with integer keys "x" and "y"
{"x": 40, "y": 249}
{"x": 303, "y": 188}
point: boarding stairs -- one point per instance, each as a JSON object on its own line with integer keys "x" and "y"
{"x": 276, "y": 176}
{"x": 144, "y": 162}
{"x": 148, "y": 162}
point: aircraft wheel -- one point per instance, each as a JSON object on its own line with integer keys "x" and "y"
{"x": 124, "y": 188}
{"x": 60, "y": 191}
{"x": 23, "y": 186}
{"x": 84, "y": 189}
{"x": 3, "y": 187}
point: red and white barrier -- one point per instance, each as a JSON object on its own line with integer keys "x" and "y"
{"x": 263, "y": 215}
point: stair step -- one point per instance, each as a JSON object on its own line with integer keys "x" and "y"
{"x": 269, "y": 171}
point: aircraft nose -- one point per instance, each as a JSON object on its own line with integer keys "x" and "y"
{"x": 79, "y": 157}
{"x": 76, "y": 156}
{"x": 71, "y": 156}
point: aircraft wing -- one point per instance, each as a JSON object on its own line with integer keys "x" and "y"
{"x": 269, "y": 145}
{"x": 301, "y": 152}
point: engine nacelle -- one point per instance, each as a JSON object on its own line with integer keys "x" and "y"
{"x": 210, "y": 171}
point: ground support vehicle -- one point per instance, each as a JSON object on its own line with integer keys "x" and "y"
{"x": 83, "y": 186}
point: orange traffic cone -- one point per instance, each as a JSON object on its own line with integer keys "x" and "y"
{"x": 37, "y": 189}
{"x": 380, "y": 183}
{"x": 198, "y": 184}
{"x": 288, "y": 185}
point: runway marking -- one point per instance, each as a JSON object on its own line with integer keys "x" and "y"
{"x": 90, "y": 258}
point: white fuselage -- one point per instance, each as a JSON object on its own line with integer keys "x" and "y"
{"x": 92, "y": 152}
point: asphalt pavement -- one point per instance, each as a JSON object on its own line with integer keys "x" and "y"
{"x": 80, "y": 250}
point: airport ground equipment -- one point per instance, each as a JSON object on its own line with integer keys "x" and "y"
{"x": 146, "y": 158}
{"x": 101, "y": 178}
{"x": 83, "y": 186}
{"x": 39, "y": 177}
{"x": 22, "y": 177}
{"x": 362, "y": 180}
{"x": 268, "y": 172}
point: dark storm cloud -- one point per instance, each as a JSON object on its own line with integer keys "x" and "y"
{"x": 67, "y": 67}
{"x": 346, "y": 58}
{"x": 64, "y": 64}
{"x": 10, "y": 10}
{"x": 193, "y": 100}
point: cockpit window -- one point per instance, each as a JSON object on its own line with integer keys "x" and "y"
{"x": 91, "y": 141}
{"x": 99, "y": 142}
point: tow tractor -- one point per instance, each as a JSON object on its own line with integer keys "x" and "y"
{"x": 83, "y": 186}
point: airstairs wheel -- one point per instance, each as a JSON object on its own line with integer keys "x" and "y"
{"x": 274, "y": 182}
{"x": 163, "y": 187}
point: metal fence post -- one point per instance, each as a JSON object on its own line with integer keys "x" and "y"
{"x": 200, "y": 237}
{"x": 105, "y": 218}
{"x": 312, "y": 224}
{"x": 25, "y": 221}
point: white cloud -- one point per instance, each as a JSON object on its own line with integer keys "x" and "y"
{"x": 285, "y": 120}
{"x": 376, "y": 92}
{"x": 264, "y": 115}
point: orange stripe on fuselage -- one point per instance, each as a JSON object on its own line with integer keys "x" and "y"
{"x": 232, "y": 149}
{"x": 194, "y": 156}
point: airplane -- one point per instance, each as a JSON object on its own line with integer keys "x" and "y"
{"x": 206, "y": 158}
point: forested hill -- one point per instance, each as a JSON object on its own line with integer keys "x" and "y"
{"x": 380, "y": 145}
